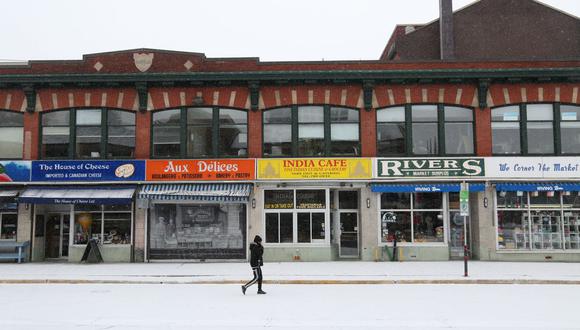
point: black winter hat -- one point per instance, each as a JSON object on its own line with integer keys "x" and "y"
{"x": 257, "y": 239}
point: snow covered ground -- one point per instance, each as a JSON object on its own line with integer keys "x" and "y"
{"x": 222, "y": 306}
{"x": 288, "y": 271}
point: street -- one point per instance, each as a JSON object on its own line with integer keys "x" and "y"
{"x": 221, "y": 306}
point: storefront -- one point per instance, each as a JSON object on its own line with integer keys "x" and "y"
{"x": 535, "y": 219}
{"x": 197, "y": 221}
{"x": 66, "y": 215}
{"x": 310, "y": 209}
{"x": 421, "y": 214}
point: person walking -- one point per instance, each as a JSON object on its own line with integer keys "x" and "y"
{"x": 256, "y": 252}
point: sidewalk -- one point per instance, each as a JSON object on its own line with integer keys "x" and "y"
{"x": 353, "y": 272}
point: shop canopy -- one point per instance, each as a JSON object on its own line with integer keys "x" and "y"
{"x": 209, "y": 192}
{"x": 418, "y": 188}
{"x": 9, "y": 193}
{"x": 77, "y": 195}
{"x": 539, "y": 186}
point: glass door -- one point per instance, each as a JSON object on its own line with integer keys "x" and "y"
{"x": 57, "y": 236}
{"x": 348, "y": 243}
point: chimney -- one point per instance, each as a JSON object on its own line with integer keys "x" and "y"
{"x": 446, "y": 30}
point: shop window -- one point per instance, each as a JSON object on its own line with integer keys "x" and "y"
{"x": 302, "y": 211}
{"x": 96, "y": 133}
{"x": 198, "y": 231}
{"x": 200, "y": 133}
{"x": 311, "y": 131}
{"x": 425, "y": 130}
{"x": 536, "y": 129}
{"x": 413, "y": 218}
{"x": 11, "y": 134}
{"x": 108, "y": 224}
{"x": 8, "y": 223}
{"x": 538, "y": 220}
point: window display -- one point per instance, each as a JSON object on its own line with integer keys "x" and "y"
{"x": 8, "y": 223}
{"x": 109, "y": 224}
{"x": 537, "y": 220}
{"x": 295, "y": 224}
{"x": 415, "y": 218}
{"x": 198, "y": 231}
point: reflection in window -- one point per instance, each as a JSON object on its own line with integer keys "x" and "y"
{"x": 8, "y": 223}
{"x": 311, "y": 131}
{"x": 408, "y": 217}
{"x": 91, "y": 128}
{"x": 570, "y": 129}
{"x": 391, "y": 131}
{"x": 534, "y": 220}
{"x": 505, "y": 128}
{"x": 424, "y": 129}
{"x": 204, "y": 133}
{"x": 540, "y": 128}
{"x": 458, "y": 131}
{"x": 11, "y": 134}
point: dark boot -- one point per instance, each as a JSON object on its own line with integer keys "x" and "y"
{"x": 260, "y": 291}
{"x": 244, "y": 290}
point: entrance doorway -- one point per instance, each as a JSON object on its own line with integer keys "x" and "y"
{"x": 348, "y": 226}
{"x": 57, "y": 236}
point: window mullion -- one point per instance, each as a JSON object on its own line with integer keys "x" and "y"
{"x": 441, "y": 129}
{"x": 73, "y": 133}
{"x": 215, "y": 134}
{"x": 183, "y": 138}
{"x": 409, "y": 130}
{"x": 524, "y": 129}
{"x": 557, "y": 131}
{"x": 294, "y": 115}
{"x": 327, "y": 132}
{"x": 104, "y": 132}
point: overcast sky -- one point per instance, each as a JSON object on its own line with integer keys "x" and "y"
{"x": 274, "y": 30}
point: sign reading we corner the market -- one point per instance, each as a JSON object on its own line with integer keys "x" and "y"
{"x": 533, "y": 167}
{"x": 206, "y": 169}
{"x": 315, "y": 168}
{"x": 430, "y": 167}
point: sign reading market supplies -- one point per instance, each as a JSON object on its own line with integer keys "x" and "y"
{"x": 532, "y": 167}
{"x": 88, "y": 170}
{"x": 430, "y": 167}
{"x": 207, "y": 169}
{"x": 314, "y": 168}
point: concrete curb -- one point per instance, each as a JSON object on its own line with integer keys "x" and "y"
{"x": 307, "y": 282}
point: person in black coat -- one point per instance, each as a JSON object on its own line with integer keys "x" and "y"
{"x": 256, "y": 252}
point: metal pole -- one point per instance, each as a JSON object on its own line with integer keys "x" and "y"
{"x": 465, "y": 255}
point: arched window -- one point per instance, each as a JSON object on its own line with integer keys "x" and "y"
{"x": 88, "y": 133}
{"x": 425, "y": 130}
{"x": 536, "y": 129}
{"x": 11, "y": 134}
{"x": 311, "y": 131}
{"x": 200, "y": 133}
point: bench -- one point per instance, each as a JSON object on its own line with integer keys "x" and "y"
{"x": 19, "y": 253}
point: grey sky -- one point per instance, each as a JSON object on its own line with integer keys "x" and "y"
{"x": 273, "y": 30}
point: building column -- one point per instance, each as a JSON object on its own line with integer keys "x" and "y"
{"x": 140, "y": 233}
{"x": 24, "y": 225}
{"x": 31, "y": 139}
{"x": 142, "y": 135}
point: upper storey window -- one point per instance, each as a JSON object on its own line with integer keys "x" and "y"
{"x": 200, "y": 133}
{"x": 11, "y": 134}
{"x": 536, "y": 129}
{"x": 88, "y": 133}
{"x": 311, "y": 131}
{"x": 425, "y": 130}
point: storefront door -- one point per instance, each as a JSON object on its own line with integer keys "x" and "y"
{"x": 57, "y": 235}
{"x": 348, "y": 234}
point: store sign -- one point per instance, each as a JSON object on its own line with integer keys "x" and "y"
{"x": 14, "y": 171}
{"x": 194, "y": 170}
{"x": 532, "y": 167}
{"x": 429, "y": 167}
{"x": 88, "y": 170}
{"x": 314, "y": 168}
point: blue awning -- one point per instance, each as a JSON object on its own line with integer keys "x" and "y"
{"x": 210, "y": 192}
{"x": 86, "y": 195}
{"x": 434, "y": 187}
{"x": 539, "y": 186}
